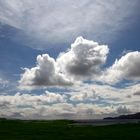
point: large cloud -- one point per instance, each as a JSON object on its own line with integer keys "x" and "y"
{"x": 127, "y": 67}
{"x": 44, "y": 74}
{"x": 83, "y": 59}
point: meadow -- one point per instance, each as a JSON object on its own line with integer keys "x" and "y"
{"x": 65, "y": 130}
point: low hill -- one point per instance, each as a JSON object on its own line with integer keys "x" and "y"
{"x": 130, "y": 116}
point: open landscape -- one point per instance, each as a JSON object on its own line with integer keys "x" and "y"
{"x": 66, "y": 130}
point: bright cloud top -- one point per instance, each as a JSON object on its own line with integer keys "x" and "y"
{"x": 64, "y": 20}
{"x": 84, "y": 59}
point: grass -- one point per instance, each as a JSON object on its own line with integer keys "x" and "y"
{"x": 63, "y": 130}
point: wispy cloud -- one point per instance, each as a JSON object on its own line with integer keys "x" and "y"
{"x": 62, "y": 21}
{"x": 3, "y": 83}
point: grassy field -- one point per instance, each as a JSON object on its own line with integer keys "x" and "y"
{"x": 65, "y": 130}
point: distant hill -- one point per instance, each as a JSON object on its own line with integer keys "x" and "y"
{"x": 130, "y": 116}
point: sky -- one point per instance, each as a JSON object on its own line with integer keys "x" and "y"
{"x": 77, "y": 59}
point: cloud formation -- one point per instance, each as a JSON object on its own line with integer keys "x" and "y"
{"x": 65, "y": 20}
{"x": 84, "y": 101}
{"x": 44, "y": 74}
{"x": 82, "y": 60}
{"x": 126, "y": 68}
{"x": 27, "y": 100}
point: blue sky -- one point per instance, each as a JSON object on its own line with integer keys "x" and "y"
{"x": 69, "y": 59}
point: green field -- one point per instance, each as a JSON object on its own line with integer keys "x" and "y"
{"x": 65, "y": 130}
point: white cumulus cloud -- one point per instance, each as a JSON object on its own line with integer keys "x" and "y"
{"x": 127, "y": 67}
{"x": 81, "y": 61}
{"x": 44, "y": 74}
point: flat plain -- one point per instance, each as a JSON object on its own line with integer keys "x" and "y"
{"x": 66, "y": 130}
